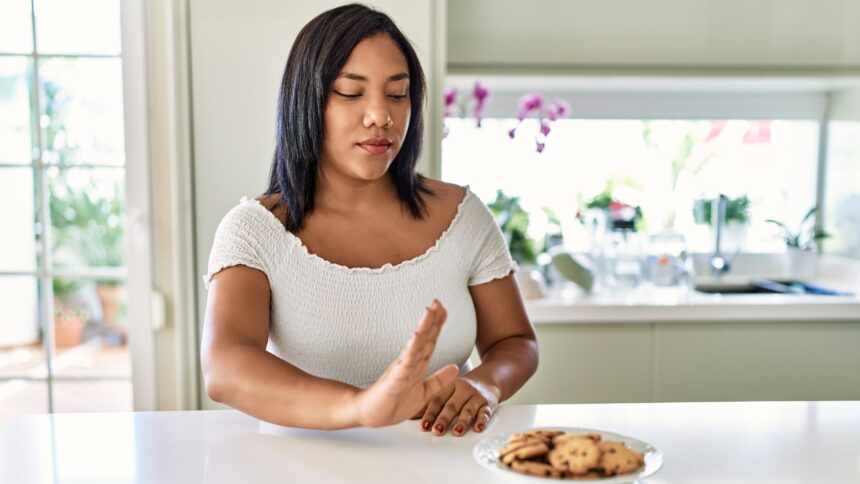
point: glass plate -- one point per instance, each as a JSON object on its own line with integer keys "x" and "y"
{"x": 486, "y": 452}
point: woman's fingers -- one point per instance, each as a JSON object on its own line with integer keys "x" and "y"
{"x": 467, "y": 415}
{"x": 434, "y": 407}
{"x": 450, "y": 410}
{"x": 415, "y": 356}
{"x": 483, "y": 418}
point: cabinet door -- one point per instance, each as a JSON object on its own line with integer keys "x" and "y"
{"x": 590, "y": 363}
{"x": 757, "y": 361}
{"x": 655, "y": 34}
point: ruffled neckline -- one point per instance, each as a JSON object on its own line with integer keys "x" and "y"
{"x": 297, "y": 242}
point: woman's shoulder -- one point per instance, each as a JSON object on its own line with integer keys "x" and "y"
{"x": 270, "y": 203}
{"x": 446, "y": 196}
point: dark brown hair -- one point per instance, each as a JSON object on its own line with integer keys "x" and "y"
{"x": 316, "y": 59}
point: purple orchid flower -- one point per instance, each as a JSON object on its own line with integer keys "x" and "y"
{"x": 540, "y": 146}
{"x": 482, "y": 96}
{"x": 559, "y": 109}
{"x": 528, "y": 104}
{"x": 450, "y": 101}
{"x": 544, "y": 127}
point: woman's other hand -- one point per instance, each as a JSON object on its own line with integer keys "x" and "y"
{"x": 465, "y": 403}
{"x": 401, "y": 391}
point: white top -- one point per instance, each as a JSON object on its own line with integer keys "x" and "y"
{"x": 719, "y": 442}
{"x": 349, "y": 324}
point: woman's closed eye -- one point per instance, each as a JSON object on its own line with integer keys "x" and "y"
{"x": 396, "y": 97}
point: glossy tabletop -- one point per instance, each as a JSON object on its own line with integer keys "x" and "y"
{"x": 783, "y": 442}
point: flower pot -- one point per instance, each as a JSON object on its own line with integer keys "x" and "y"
{"x": 113, "y": 298}
{"x": 801, "y": 264}
{"x": 69, "y": 330}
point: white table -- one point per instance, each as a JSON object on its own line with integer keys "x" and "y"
{"x": 783, "y": 442}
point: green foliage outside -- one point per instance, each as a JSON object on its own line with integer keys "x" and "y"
{"x": 737, "y": 209}
{"x": 86, "y": 220}
{"x": 514, "y": 223}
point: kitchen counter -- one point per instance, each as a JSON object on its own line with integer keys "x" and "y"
{"x": 786, "y": 442}
{"x": 650, "y": 304}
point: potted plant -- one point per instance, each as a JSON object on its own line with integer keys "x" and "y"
{"x": 619, "y": 215}
{"x": 514, "y": 223}
{"x": 69, "y": 318}
{"x": 736, "y": 224}
{"x": 93, "y": 228}
{"x": 801, "y": 244}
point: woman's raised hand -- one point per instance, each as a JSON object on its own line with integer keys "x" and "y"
{"x": 402, "y": 391}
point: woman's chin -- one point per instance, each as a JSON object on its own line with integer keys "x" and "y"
{"x": 370, "y": 173}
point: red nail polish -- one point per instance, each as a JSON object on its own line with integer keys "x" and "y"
{"x": 458, "y": 429}
{"x": 439, "y": 428}
{"x": 480, "y": 427}
{"x": 425, "y": 425}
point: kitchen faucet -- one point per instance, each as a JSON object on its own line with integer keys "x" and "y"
{"x": 719, "y": 264}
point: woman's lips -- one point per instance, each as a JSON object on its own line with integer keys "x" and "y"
{"x": 375, "y": 149}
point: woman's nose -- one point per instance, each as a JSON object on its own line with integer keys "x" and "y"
{"x": 377, "y": 113}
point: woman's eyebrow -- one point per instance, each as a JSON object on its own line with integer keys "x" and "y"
{"x": 358, "y": 77}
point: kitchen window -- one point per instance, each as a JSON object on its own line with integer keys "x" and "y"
{"x": 665, "y": 145}
{"x": 662, "y": 166}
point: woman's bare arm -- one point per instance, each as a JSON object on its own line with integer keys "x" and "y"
{"x": 506, "y": 339}
{"x": 239, "y": 372}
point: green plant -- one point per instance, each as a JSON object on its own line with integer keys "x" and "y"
{"x": 88, "y": 224}
{"x": 514, "y": 223}
{"x": 807, "y": 234}
{"x": 85, "y": 221}
{"x": 737, "y": 209}
{"x": 65, "y": 287}
{"x": 619, "y": 215}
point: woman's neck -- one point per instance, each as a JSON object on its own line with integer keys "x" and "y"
{"x": 340, "y": 194}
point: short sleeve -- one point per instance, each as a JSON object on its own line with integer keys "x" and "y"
{"x": 236, "y": 242}
{"x": 493, "y": 259}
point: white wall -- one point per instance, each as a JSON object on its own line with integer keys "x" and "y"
{"x": 238, "y": 52}
{"x": 763, "y": 34}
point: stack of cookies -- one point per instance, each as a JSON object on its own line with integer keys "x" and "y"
{"x": 552, "y": 453}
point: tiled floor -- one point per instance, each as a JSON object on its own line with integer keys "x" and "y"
{"x": 90, "y": 358}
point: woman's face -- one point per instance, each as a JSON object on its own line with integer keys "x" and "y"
{"x": 368, "y": 110}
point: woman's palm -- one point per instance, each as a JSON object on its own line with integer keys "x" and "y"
{"x": 401, "y": 391}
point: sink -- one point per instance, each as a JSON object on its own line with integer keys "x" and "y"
{"x": 768, "y": 286}
{"x": 730, "y": 289}
{"x": 746, "y": 269}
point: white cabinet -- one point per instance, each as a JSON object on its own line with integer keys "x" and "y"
{"x": 655, "y": 34}
{"x": 591, "y": 363}
{"x": 719, "y": 361}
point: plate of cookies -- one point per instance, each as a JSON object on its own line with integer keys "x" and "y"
{"x": 569, "y": 453}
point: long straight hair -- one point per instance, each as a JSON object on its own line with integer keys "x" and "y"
{"x": 316, "y": 59}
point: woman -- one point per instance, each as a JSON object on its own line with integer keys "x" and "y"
{"x": 315, "y": 287}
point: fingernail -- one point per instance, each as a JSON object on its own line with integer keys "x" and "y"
{"x": 439, "y": 428}
{"x": 480, "y": 427}
{"x": 458, "y": 429}
{"x": 425, "y": 425}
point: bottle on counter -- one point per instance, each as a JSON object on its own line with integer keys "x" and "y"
{"x": 666, "y": 260}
